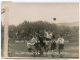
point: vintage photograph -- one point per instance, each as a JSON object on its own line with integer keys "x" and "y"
{"x": 40, "y": 30}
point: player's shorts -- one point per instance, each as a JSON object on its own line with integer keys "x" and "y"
{"x": 53, "y": 46}
{"x": 48, "y": 39}
{"x": 61, "y": 46}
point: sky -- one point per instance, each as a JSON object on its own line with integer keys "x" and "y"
{"x": 19, "y": 12}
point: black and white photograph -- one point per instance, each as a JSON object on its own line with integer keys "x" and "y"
{"x": 40, "y": 30}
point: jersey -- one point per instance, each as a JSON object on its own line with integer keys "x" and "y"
{"x": 60, "y": 41}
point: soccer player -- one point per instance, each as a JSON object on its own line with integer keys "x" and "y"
{"x": 60, "y": 41}
{"x": 53, "y": 45}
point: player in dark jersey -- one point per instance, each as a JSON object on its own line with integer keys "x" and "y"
{"x": 53, "y": 45}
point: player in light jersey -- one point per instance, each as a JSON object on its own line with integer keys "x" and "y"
{"x": 60, "y": 41}
{"x": 30, "y": 44}
{"x": 48, "y": 35}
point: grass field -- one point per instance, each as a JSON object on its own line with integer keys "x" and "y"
{"x": 71, "y": 48}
